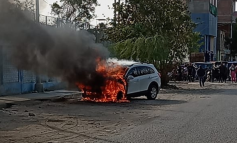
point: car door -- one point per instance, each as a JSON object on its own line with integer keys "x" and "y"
{"x": 133, "y": 81}
{"x": 144, "y": 78}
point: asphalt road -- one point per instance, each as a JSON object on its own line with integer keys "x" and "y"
{"x": 213, "y": 118}
{"x": 190, "y": 114}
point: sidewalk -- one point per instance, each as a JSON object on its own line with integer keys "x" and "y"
{"x": 11, "y": 99}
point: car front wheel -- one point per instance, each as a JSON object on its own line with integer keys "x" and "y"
{"x": 152, "y": 92}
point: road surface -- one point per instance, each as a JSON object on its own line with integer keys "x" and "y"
{"x": 212, "y": 119}
{"x": 190, "y": 114}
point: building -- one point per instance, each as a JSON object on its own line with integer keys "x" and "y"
{"x": 220, "y": 46}
{"x": 204, "y": 14}
{"x": 226, "y": 17}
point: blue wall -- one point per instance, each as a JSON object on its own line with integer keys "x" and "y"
{"x": 207, "y": 27}
{"x": 207, "y": 23}
{"x": 202, "y": 21}
{"x": 15, "y": 81}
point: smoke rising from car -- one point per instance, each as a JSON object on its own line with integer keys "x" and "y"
{"x": 58, "y": 52}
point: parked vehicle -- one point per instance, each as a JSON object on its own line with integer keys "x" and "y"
{"x": 230, "y": 63}
{"x": 218, "y": 63}
{"x": 205, "y": 65}
{"x": 142, "y": 79}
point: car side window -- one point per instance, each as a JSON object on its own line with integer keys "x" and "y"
{"x": 144, "y": 70}
{"x": 151, "y": 71}
{"x": 134, "y": 72}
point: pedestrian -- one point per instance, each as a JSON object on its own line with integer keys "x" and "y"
{"x": 236, "y": 73}
{"x": 225, "y": 73}
{"x": 222, "y": 69}
{"x": 180, "y": 73}
{"x": 191, "y": 70}
{"x": 201, "y": 75}
{"x": 185, "y": 73}
{"x": 233, "y": 73}
{"x": 213, "y": 73}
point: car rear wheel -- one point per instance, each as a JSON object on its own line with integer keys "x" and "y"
{"x": 152, "y": 92}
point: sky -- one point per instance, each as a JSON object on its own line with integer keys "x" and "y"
{"x": 100, "y": 10}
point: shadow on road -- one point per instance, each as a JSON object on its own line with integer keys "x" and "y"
{"x": 156, "y": 102}
{"x": 134, "y": 103}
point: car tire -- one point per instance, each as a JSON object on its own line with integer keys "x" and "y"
{"x": 152, "y": 92}
{"x": 119, "y": 96}
{"x": 83, "y": 95}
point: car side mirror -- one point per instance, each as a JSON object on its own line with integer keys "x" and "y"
{"x": 130, "y": 77}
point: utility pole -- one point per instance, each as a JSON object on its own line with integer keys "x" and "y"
{"x": 38, "y": 86}
{"x": 231, "y": 25}
{"x": 115, "y": 19}
{"x": 231, "y": 21}
{"x": 37, "y": 10}
{"x": 118, "y": 13}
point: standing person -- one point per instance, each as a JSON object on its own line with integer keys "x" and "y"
{"x": 222, "y": 73}
{"x": 180, "y": 73}
{"x": 236, "y": 73}
{"x": 201, "y": 74}
{"x": 213, "y": 73}
{"x": 185, "y": 73}
{"x": 193, "y": 73}
{"x": 232, "y": 73}
{"x": 190, "y": 72}
{"x": 225, "y": 73}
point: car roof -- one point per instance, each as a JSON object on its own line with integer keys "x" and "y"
{"x": 232, "y": 62}
{"x": 203, "y": 63}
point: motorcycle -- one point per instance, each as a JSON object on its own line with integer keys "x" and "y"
{"x": 208, "y": 76}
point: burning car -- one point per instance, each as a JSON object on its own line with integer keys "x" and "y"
{"x": 122, "y": 81}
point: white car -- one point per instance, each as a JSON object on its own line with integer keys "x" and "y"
{"x": 142, "y": 79}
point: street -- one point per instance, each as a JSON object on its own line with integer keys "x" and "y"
{"x": 188, "y": 114}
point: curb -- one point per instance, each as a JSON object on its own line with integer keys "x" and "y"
{"x": 3, "y": 105}
{"x": 7, "y": 104}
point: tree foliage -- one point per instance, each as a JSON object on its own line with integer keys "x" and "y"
{"x": 233, "y": 46}
{"x": 154, "y": 31}
{"x": 75, "y": 10}
{"x": 27, "y": 5}
{"x": 231, "y": 43}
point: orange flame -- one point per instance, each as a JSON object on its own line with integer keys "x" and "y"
{"x": 114, "y": 89}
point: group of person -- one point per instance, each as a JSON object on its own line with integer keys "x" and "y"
{"x": 218, "y": 72}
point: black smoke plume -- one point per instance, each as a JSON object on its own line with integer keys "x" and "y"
{"x": 59, "y": 52}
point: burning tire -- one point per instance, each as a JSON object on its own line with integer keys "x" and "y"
{"x": 83, "y": 95}
{"x": 119, "y": 95}
{"x": 152, "y": 92}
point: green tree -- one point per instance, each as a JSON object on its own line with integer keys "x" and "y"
{"x": 75, "y": 10}
{"x": 231, "y": 43}
{"x": 154, "y": 31}
{"x": 26, "y": 5}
